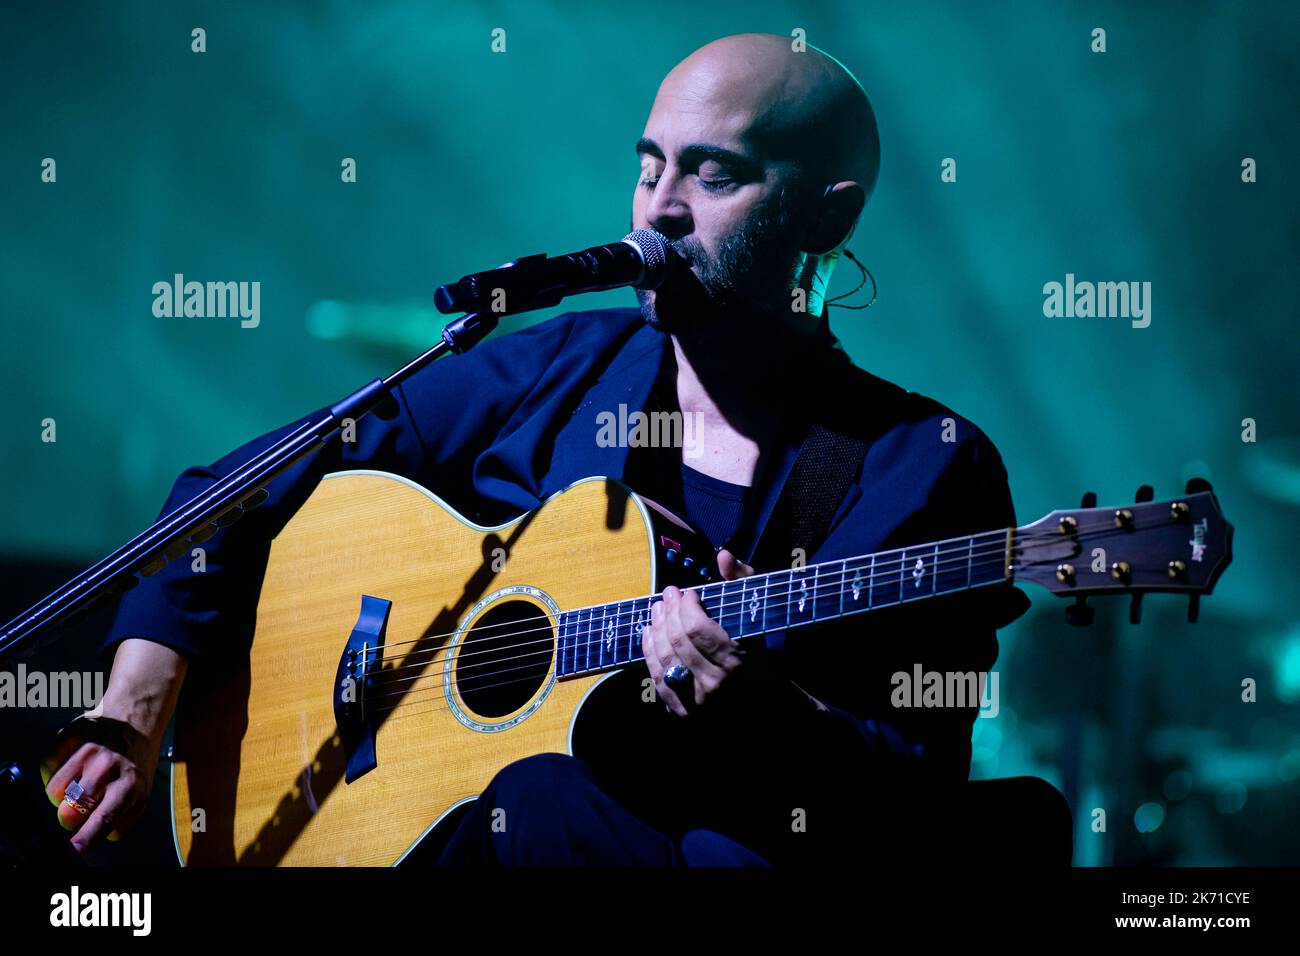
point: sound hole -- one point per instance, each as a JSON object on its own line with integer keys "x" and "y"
{"x": 504, "y": 658}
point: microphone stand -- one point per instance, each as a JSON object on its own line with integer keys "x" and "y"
{"x": 219, "y": 505}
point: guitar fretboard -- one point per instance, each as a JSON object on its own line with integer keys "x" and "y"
{"x": 607, "y": 636}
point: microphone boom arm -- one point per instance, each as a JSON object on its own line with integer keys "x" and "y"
{"x": 219, "y": 505}
{"x": 642, "y": 258}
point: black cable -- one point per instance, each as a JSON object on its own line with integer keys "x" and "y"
{"x": 865, "y": 276}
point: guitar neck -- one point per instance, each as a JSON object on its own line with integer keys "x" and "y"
{"x": 608, "y": 636}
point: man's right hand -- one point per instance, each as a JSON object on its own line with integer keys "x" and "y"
{"x": 117, "y": 775}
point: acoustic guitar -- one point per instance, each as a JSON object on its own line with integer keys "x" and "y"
{"x": 403, "y": 655}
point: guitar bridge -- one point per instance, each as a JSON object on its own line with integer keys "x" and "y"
{"x": 362, "y": 658}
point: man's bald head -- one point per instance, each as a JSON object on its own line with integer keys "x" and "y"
{"x": 741, "y": 145}
{"x": 804, "y": 107}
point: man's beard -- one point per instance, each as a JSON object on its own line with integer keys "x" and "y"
{"x": 749, "y": 277}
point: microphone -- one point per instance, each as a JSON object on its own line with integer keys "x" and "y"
{"x": 641, "y": 259}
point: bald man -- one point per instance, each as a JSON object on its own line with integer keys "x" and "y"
{"x": 756, "y": 162}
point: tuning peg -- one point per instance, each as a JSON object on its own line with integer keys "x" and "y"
{"x": 1135, "y": 610}
{"x": 1195, "y": 485}
{"x": 1089, "y": 500}
{"x": 1145, "y": 493}
{"x": 1193, "y": 608}
{"x": 1079, "y": 614}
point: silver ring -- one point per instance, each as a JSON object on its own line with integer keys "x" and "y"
{"x": 677, "y": 676}
{"x": 76, "y": 796}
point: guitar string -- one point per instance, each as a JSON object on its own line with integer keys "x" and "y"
{"x": 891, "y": 569}
{"x": 594, "y": 635}
{"x": 545, "y": 654}
{"x": 1021, "y": 536}
{"x": 1001, "y": 534}
{"x": 408, "y": 699}
{"x": 587, "y": 634}
{"x": 773, "y": 604}
{"x": 881, "y": 564}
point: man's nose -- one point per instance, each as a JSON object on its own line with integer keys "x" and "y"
{"x": 668, "y": 213}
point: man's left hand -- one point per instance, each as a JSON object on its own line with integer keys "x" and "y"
{"x": 681, "y": 632}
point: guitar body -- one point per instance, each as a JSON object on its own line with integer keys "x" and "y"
{"x": 259, "y": 752}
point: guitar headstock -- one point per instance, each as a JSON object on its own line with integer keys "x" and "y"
{"x": 1180, "y": 545}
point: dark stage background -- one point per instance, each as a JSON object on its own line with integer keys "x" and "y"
{"x": 1123, "y": 165}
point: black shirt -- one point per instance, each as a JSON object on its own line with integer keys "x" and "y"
{"x": 714, "y": 507}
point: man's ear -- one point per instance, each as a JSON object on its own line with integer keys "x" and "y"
{"x": 841, "y": 204}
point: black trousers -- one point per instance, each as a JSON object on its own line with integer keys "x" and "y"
{"x": 755, "y": 778}
{"x": 550, "y": 810}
